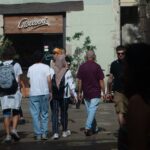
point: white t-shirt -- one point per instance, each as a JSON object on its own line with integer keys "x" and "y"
{"x": 12, "y": 101}
{"x": 38, "y": 74}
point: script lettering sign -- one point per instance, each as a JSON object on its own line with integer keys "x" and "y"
{"x": 33, "y": 24}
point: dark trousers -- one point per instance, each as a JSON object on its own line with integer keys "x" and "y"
{"x": 62, "y": 106}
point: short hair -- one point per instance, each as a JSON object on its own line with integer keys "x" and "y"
{"x": 8, "y": 52}
{"x": 90, "y": 54}
{"x": 120, "y": 47}
{"x": 37, "y": 56}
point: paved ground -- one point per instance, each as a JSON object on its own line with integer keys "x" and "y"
{"x": 104, "y": 140}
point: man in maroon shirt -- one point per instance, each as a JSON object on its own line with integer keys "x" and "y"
{"x": 91, "y": 83}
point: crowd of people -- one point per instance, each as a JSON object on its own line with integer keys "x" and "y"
{"x": 53, "y": 85}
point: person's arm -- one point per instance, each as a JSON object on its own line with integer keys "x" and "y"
{"x": 102, "y": 85}
{"x": 79, "y": 82}
{"x": 109, "y": 84}
{"x": 49, "y": 83}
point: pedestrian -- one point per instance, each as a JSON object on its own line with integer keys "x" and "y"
{"x": 115, "y": 84}
{"x": 62, "y": 84}
{"x": 39, "y": 75}
{"x": 137, "y": 90}
{"x": 91, "y": 83}
{"x": 11, "y": 103}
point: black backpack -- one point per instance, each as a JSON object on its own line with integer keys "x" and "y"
{"x": 8, "y": 83}
{"x": 58, "y": 93}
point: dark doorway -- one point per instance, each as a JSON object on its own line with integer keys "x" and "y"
{"x": 26, "y": 44}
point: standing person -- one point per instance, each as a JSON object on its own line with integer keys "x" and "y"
{"x": 11, "y": 103}
{"x": 39, "y": 75}
{"x": 62, "y": 84}
{"x": 90, "y": 81}
{"x": 137, "y": 90}
{"x": 115, "y": 83}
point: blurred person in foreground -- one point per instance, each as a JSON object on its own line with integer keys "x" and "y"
{"x": 91, "y": 83}
{"x": 137, "y": 90}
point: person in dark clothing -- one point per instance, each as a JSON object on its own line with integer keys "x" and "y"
{"x": 137, "y": 90}
{"x": 115, "y": 83}
{"x": 116, "y": 74}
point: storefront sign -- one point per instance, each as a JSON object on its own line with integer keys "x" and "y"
{"x": 33, "y": 24}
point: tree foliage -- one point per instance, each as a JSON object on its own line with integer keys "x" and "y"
{"x": 78, "y": 56}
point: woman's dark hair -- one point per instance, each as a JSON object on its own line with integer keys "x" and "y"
{"x": 8, "y": 53}
{"x": 137, "y": 70}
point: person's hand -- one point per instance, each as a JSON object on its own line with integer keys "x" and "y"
{"x": 75, "y": 100}
{"x": 80, "y": 96}
{"x": 50, "y": 96}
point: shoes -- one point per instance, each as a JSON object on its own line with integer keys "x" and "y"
{"x": 88, "y": 132}
{"x": 55, "y": 136}
{"x": 37, "y": 138}
{"x": 15, "y": 135}
{"x": 44, "y": 137}
{"x": 8, "y": 139}
{"x": 96, "y": 130}
{"x": 66, "y": 133}
{"x": 22, "y": 121}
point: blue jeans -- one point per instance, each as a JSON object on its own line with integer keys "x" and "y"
{"x": 39, "y": 107}
{"x": 91, "y": 107}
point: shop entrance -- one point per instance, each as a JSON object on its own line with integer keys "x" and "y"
{"x": 26, "y": 44}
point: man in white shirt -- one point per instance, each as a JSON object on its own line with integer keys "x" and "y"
{"x": 39, "y": 75}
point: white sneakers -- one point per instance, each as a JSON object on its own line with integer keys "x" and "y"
{"x": 64, "y": 134}
{"x": 55, "y": 136}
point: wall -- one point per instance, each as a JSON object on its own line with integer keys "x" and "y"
{"x": 97, "y": 21}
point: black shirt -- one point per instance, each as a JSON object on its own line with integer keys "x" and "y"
{"x": 116, "y": 69}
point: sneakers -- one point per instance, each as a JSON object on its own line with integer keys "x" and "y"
{"x": 88, "y": 132}
{"x": 66, "y": 133}
{"x": 15, "y": 135}
{"x": 8, "y": 139}
{"x": 22, "y": 121}
{"x": 55, "y": 136}
{"x": 37, "y": 138}
{"x": 44, "y": 137}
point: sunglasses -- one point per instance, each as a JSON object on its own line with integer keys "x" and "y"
{"x": 120, "y": 53}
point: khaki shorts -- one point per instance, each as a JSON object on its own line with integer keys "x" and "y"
{"x": 121, "y": 103}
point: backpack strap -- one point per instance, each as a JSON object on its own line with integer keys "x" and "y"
{"x": 13, "y": 62}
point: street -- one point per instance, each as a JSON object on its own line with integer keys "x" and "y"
{"x": 105, "y": 140}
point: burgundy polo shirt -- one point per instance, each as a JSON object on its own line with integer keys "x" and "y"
{"x": 90, "y": 73}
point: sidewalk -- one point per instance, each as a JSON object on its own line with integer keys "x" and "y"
{"x": 104, "y": 140}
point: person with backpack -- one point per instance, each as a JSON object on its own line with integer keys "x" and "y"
{"x": 10, "y": 72}
{"x": 62, "y": 84}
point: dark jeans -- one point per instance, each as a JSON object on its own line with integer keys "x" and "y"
{"x": 122, "y": 138}
{"x": 62, "y": 106}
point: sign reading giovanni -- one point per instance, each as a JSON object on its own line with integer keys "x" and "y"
{"x": 33, "y": 24}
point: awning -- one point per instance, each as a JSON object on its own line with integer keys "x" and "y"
{"x": 34, "y": 7}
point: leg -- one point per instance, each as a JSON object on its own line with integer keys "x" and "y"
{"x": 44, "y": 107}
{"x": 64, "y": 113}
{"x": 91, "y": 106}
{"x": 34, "y": 105}
{"x": 7, "y": 121}
{"x": 55, "y": 111}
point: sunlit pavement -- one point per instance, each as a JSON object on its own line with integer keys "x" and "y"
{"x": 106, "y": 139}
